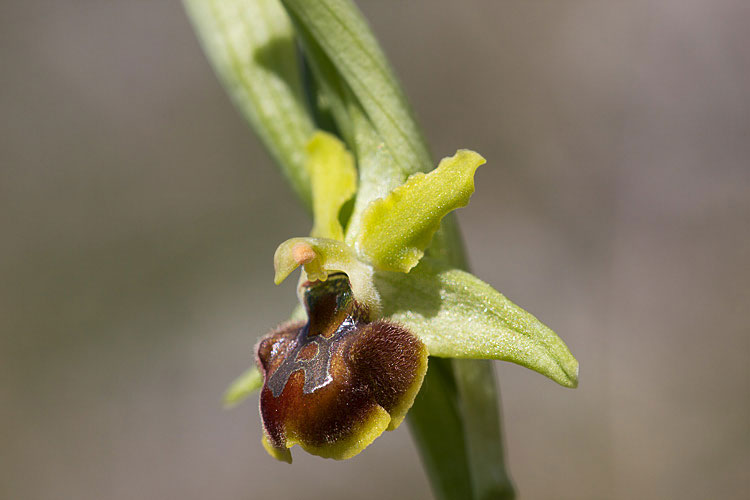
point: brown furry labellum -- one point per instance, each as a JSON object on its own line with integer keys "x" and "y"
{"x": 335, "y": 383}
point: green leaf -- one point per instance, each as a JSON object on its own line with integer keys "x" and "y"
{"x": 334, "y": 182}
{"x": 250, "y": 44}
{"x": 242, "y": 387}
{"x": 332, "y": 93}
{"x": 341, "y": 32}
{"x": 458, "y": 315}
{"x": 397, "y": 229}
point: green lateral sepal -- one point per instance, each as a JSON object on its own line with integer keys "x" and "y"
{"x": 458, "y": 315}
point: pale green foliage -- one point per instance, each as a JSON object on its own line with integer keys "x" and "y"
{"x": 397, "y": 229}
{"x": 251, "y": 46}
{"x": 334, "y": 181}
{"x": 458, "y": 315}
{"x": 340, "y": 32}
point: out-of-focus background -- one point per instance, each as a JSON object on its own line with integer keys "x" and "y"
{"x": 139, "y": 214}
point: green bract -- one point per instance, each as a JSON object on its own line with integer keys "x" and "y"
{"x": 460, "y": 316}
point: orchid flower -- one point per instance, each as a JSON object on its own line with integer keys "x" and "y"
{"x": 375, "y": 307}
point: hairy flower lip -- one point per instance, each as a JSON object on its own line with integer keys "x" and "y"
{"x": 336, "y": 398}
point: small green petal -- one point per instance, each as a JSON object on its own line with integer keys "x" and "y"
{"x": 334, "y": 182}
{"x": 378, "y": 171}
{"x": 321, "y": 257}
{"x": 397, "y": 229}
{"x": 458, "y": 315}
{"x": 243, "y": 386}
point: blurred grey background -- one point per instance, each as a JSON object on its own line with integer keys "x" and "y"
{"x": 139, "y": 215}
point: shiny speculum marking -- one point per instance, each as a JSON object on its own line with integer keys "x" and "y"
{"x": 335, "y": 316}
{"x": 317, "y": 370}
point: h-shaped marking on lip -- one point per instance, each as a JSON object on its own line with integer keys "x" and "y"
{"x": 317, "y": 369}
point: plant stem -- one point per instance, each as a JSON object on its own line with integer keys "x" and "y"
{"x": 435, "y": 421}
{"x": 466, "y": 387}
{"x": 479, "y": 402}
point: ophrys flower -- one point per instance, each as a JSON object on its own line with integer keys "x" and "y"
{"x": 374, "y": 306}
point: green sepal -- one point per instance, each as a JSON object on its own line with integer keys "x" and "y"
{"x": 242, "y": 387}
{"x": 458, "y": 315}
{"x": 334, "y": 181}
{"x": 398, "y": 228}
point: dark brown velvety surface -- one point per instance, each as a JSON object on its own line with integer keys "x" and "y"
{"x": 325, "y": 378}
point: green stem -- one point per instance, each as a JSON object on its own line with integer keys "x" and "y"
{"x": 435, "y": 421}
{"x": 479, "y": 401}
